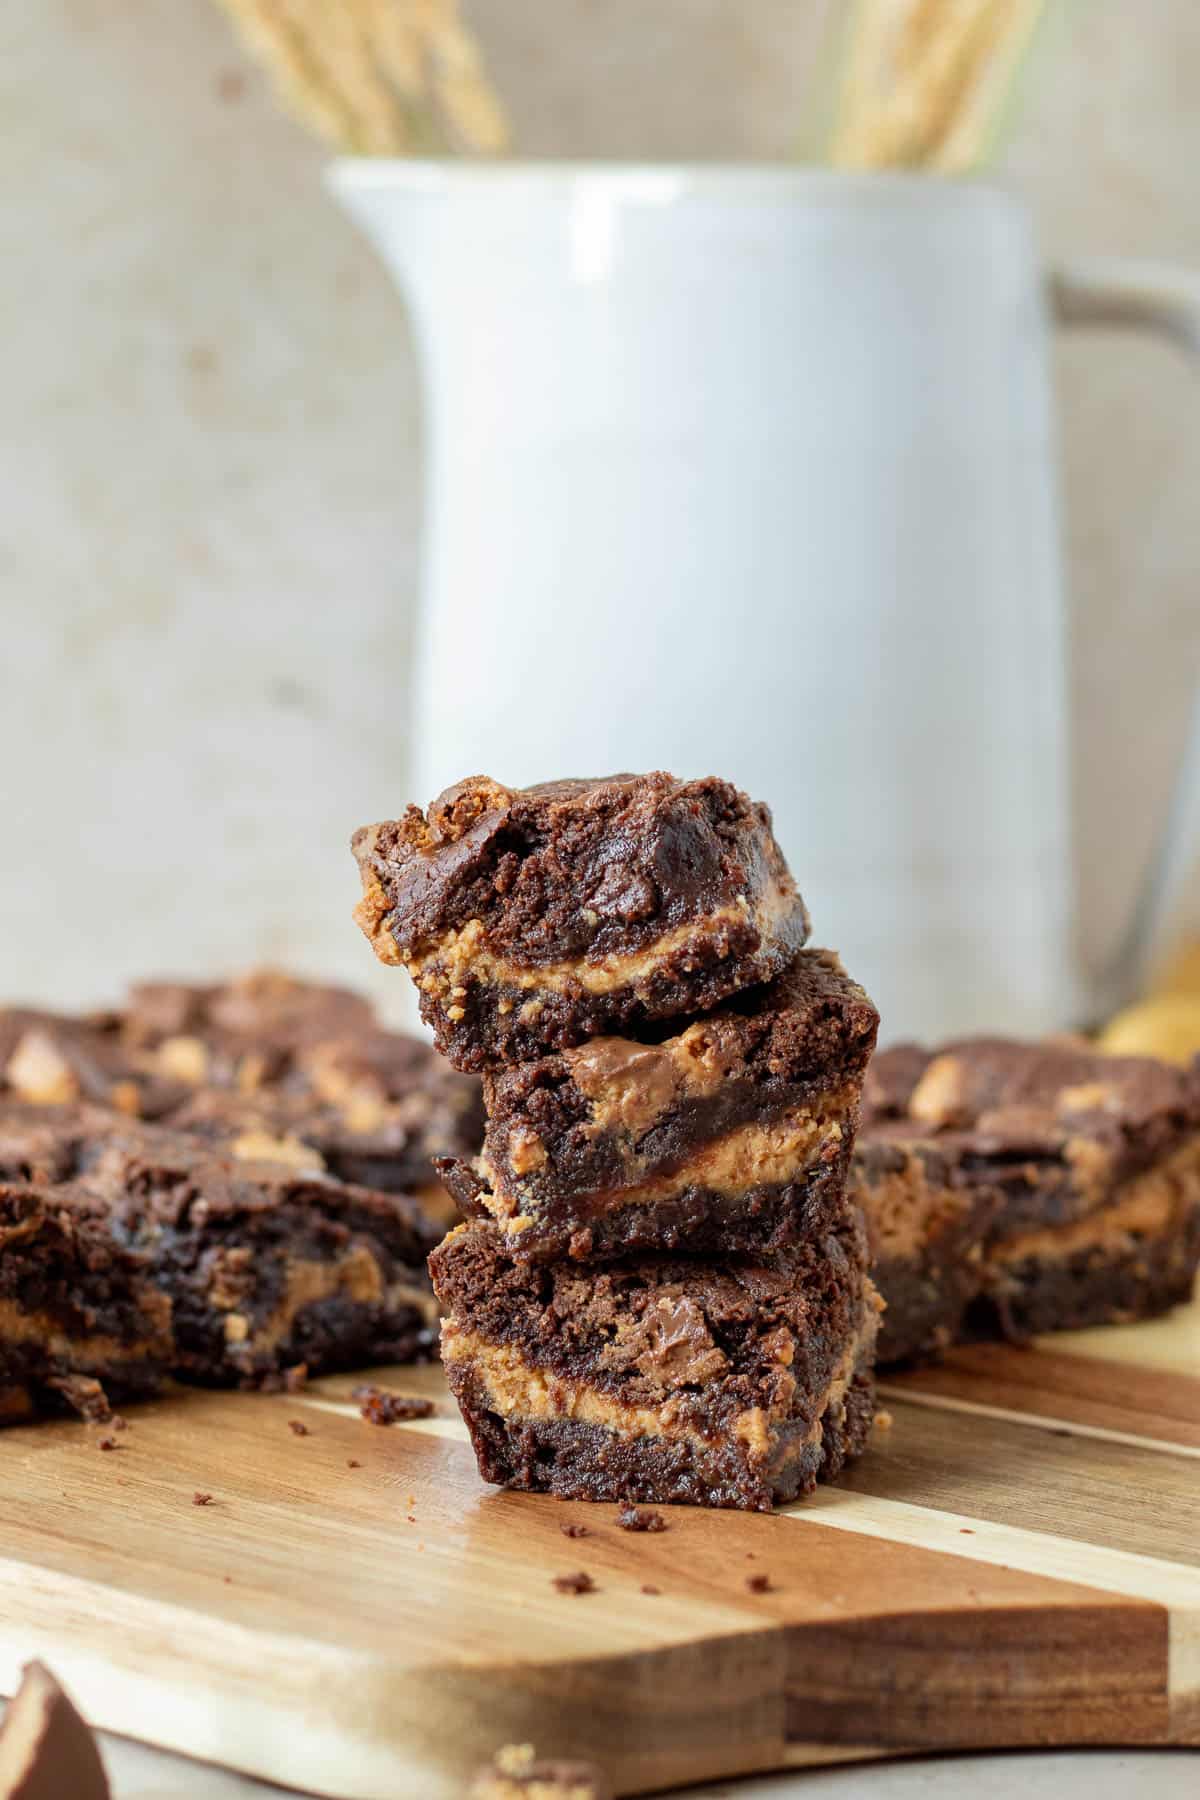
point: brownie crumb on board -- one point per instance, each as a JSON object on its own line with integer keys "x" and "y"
{"x": 199, "y": 1499}
{"x": 284, "y": 1381}
{"x": 578, "y": 1583}
{"x": 641, "y": 1518}
{"x": 298, "y": 1427}
{"x": 517, "y": 1771}
{"x": 353, "y": 1463}
{"x": 109, "y": 1444}
{"x": 84, "y": 1395}
{"x": 379, "y": 1406}
{"x": 759, "y": 1584}
{"x": 647, "y": 1588}
{"x": 573, "y": 1530}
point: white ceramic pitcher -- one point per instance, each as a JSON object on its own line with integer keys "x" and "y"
{"x": 752, "y": 470}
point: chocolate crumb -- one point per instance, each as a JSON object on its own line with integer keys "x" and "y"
{"x": 353, "y": 1463}
{"x": 199, "y": 1499}
{"x": 759, "y": 1584}
{"x": 574, "y": 1531}
{"x": 108, "y": 1443}
{"x": 647, "y": 1589}
{"x": 966, "y": 1530}
{"x": 411, "y": 1517}
{"x": 578, "y": 1583}
{"x": 381, "y": 1407}
{"x": 298, "y": 1426}
{"x": 640, "y": 1518}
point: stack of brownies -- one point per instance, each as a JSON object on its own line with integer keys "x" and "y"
{"x": 660, "y": 1292}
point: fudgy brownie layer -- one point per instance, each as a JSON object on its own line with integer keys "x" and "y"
{"x": 130, "y": 1251}
{"x": 1089, "y": 1166}
{"x": 1131, "y": 1260}
{"x": 927, "y": 1239}
{"x": 578, "y": 1461}
{"x": 732, "y": 1134}
{"x": 666, "y": 1378}
{"x": 535, "y": 918}
{"x": 758, "y": 1220}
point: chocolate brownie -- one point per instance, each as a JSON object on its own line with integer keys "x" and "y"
{"x": 47, "y": 1752}
{"x": 927, "y": 1237}
{"x": 377, "y": 1110}
{"x": 172, "y": 1038}
{"x": 48, "y": 1059}
{"x": 1088, "y": 1164}
{"x": 535, "y": 918}
{"x": 732, "y": 1136}
{"x": 244, "y": 1033}
{"x": 518, "y": 1773}
{"x": 130, "y": 1252}
{"x": 728, "y": 1383}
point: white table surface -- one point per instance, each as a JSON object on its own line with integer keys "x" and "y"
{"x": 140, "y": 1774}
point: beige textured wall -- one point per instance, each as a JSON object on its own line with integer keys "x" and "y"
{"x": 208, "y": 522}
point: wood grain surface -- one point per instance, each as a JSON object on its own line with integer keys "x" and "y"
{"x": 1016, "y": 1561}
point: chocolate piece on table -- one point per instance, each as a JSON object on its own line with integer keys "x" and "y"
{"x": 535, "y": 918}
{"x": 518, "y": 1773}
{"x": 662, "y": 1379}
{"x": 47, "y": 1752}
{"x": 131, "y": 1252}
{"x": 732, "y": 1135}
{"x": 1090, "y": 1164}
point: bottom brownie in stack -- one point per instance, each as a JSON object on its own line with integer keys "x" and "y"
{"x": 730, "y": 1383}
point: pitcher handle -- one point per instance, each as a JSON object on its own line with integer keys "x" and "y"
{"x": 1164, "y": 299}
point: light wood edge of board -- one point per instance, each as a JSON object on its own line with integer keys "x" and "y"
{"x": 362, "y": 1728}
{"x": 1171, "y": 1586}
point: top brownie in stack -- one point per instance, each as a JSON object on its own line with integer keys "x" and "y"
{"x": 532, "y": 919}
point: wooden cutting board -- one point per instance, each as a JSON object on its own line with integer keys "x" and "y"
{"x": 1016, "y": 1561}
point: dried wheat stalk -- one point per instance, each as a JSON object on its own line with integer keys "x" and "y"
{"x": 926, "y": 80}
{"x": 377, "y": 77}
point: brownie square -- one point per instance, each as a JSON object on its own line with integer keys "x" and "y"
{"x": 130, "y": 1252}
{"x": 535, "y": 918}
{"x": 171, "y": 1038}
{"x": 378, "y": 1110}
{"x": 928, "y": 1235}
{"x": 244, "y": 1033}
{"x": 48, "y": 1059}
{"x": 659, "y": 1379}
{"x": 730, "y": 1136}
{"x": 1078, "y": 1171}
